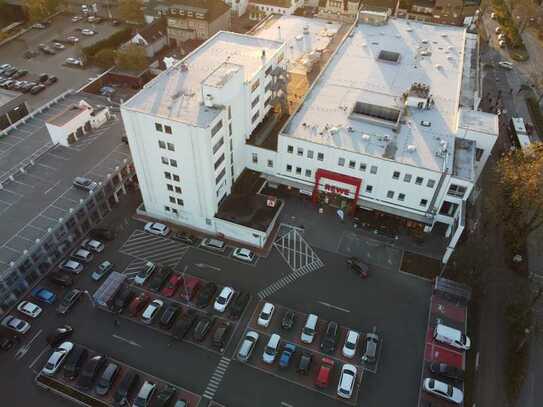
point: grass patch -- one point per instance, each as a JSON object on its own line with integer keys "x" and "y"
{"x": 421, "y": 266}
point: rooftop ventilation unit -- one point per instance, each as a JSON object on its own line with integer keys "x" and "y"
{"x": 366, "y": 137}
{"x": 389, "y": 57}
{"x": 411, "y": 148}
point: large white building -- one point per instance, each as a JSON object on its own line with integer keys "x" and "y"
{"x": 389, "y": 125}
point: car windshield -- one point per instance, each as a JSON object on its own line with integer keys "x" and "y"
{"x": 50, "y": 366}
{"x": 270, "y": 350}
{"x": 20, "y": 325}
{"x": 264, "y": 315}
{"x": 349, "y": 345}
{"x": 221, "y": 300}
{"x": 308, "y": 331}
{"x": 463, "y": 338}
{"x": 139, "y": 402}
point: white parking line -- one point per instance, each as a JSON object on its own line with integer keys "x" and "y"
{"x": 285, "y": 404}
{"x": 129, "y": 341}
{"x": 51, "y": 188}
{"x": 22, "y": 351}
{"x": 38, "y": 357}
{"x": 333, "y": 306}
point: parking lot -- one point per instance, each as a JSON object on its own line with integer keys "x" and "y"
{"x": 392, "y": 302}
{"x": 69, "y": 77}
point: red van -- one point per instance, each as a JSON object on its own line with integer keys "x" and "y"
{"x": 325, "y": 371}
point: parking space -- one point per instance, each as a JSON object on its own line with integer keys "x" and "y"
{"x": 65, "y": 387}
{"x": 373, "y": 252}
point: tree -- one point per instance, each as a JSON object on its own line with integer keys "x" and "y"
{"x": 132, "y": 58}
{"x": 522, "y": 10}
{"x": 105, "y": 58}
{"x": 521, "y": 182}
{"x": 131, "y": 10}
{"x": 39, "y": 9}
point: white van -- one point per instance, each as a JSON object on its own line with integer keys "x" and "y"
{"x": 271, "y": 349}
{"x": 308, "y": 333}
{"x": 451, "y": 336}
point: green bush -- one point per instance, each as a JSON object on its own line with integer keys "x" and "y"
{"x": 104, "y": 58}
{"x": 535, "y": 113}
{"x": 112, "y": 42}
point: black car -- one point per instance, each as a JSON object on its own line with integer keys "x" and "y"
{"x": 288, "y": 320}
{"x": 74, "y": 362}
{"x": 447, "y": 371}
{"x": 61, "y": 279}
{"x": 90, "y": 372}
{"x": 59, "y": 335}
{"x": 184, "y": 323}
{"x": 219, "y": 336}
{"x": 164, "y": 397}
{"x": 330, "y": 338}
{"x": 159, "y": 278}
{"x": 205, "y": 295}
{"x": 51, "y": 80}
{"x": 168, "y": 316}
{"x": 121, "y": 301}
{"x": 129, "y": 384}
{"x": 184, "y": 238}
{"x": 68, "y": 301}
{"x": 202, "y": 328}
{"x": 102, "y": 234}
{"x": 305, "y": 363}
{"x": 239, "y": 304}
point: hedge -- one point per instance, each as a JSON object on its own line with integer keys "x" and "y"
{"x": 535, "y": 113}
{"x": 112, "y": 42}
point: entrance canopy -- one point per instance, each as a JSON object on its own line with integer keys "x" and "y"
{"x": 338, "y": 184}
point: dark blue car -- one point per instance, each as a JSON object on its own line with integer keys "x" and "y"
{"x": 44, "y": 295}
{"x": 286, "y": 355}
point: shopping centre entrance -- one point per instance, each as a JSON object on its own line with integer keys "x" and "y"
{"x": 336, "y": 190}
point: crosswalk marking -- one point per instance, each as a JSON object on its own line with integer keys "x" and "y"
{"x": 146, "y": 247}
{"x": 216, "y": 378}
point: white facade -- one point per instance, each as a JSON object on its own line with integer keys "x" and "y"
{"x": 274, "y": 7}
{"x": 238, "y": 7}
{"x": 151, "y": 48}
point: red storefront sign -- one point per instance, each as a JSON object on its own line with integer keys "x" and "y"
{"x": 320, "y": 181}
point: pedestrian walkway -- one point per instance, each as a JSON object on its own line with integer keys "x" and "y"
{"x": 216, "y": 378}
{"x": 147, "y": 247}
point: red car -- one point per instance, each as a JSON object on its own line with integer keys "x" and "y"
{"x": 189, "y": 288}
{"x": 325, "y": 370}
{"x": 138, "y": 303}
{"x": 174, "y": 282}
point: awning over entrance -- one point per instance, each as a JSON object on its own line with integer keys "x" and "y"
{"x": 395, "y": 211}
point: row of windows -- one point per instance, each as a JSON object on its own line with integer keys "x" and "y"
{"x": 218, "y": 145}
{"x": 298, "y": 170}
{"x": 163, "y": 145}
{"x": 172, "y": 188}
{"x": 255, "y": 85}
{"x": 300, "y": 153}
{"x": 255, "y": 117}
{"x": 168, "y": 209}
{"x": 163, "y": 128}
{"x": 220, "y": 176}
{"x": 219, "y": 161}
{"x": 218, "y": 126}
{"x": 169, "y": 161}
{"x": 255, "y": 102}
{"x": 178, "y": 201}
{"x": 430, "y": 183}
{"x": 170, "y": 176}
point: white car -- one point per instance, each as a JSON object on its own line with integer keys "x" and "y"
{"x": 94, "y": 245}
{"x": 58, "y": 45}
{"x": 83, "y": 255}
{"x": 502, "y": 43}
{"x": 57, "y": 357}
{"x": 29, "y": 308}
{"x": 506, "y": 64}
{"x": 351, "y": 342}
{"x": 16, "y": 324}
{"x": 223, "y": 299}
{"x": 266, "y": 314}
{"x": 151, "y": 311}
{"x": 443, "y": 390}
{"x": 347, "y": 379}
{"x": 244, "y": 255}
{"x": 156, "y": 228}
{"x": 247, "y": 346}
{"x": 144, "y": 273}
{"x": 73, "y": 61}
{"x": 72, "y": 266}
{"x": 271, "y": 349}
{"x": 87, "y": 32}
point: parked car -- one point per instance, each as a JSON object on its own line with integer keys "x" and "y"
{"x": 244, "y": 255}
{"x": 145, "y": 394}
{"x": 19, "y": 74}
{"x": 15, "y": 324}
{"x": 271, "y": 349}
{"x": 126, "y": 388}
{"x": 59, "y": 335}
{"x": 452, "y": 337}
{"x": 357, "y": 266}
{"x": 58, "y": 45}
{"x": 88, "y": 32}
{"x": 37, "y": 89}
{"x": 310, "y": 329}
{"x": 83, "y": 255}
{"x": 506, "y": 64}
{"x": 74, "y": 362}
{"x": 75, "y": 19}
{"x": 330, "y": 338}
{"x": 164, "y": 397}
{"x": 159, "y": 278}
{"x": 169, "y": 316}
{"x": 288, "y": 320}
{"x": 371, "y": 345}
{"x": 73, "y": 61}
{"x": 325, "y": 372}
{"x": 202, "y": 328}
{"x": 72, "y": 39}
{"x": 184, "y": 238}
{"x": 102, "y": 233}
{"x": 184, "y": 323}
{"x": 57, "y": 357}
{"x": 219, "y": 335}
{"x": 68, "y": 301}
{"x": 29, "y": 308}
{"x": 223, "y": 299}
{"x": 9, "y": 72}
{"x": 247, "y": 346}
{"x": 103, "y": 268}
{"x": 39, "y": 26}
{"x": 122, "y": 299}
{"x": 83, "y": 183}
{"x": 351, "y": 342}
{"x": 171, "y": 286}
{"x": 287, "y": 355}
{"x": 138, "y": 304}
{"x": 152, "y": 311}
{"x": 347, "y": 380}
{"x": 304, "y": 365}
{"x": 90, "y": 372}
{"x": 44, "y": 295}
{"x": 205, "y": 295}
{"x": 61, "y": 279}
{"x": 447, "y": 371}
{"x": 214, "y": 244}
{"x": 238, "y": 304}
{"x": 72, "y": 266}
{"x": 144, "y": 273}
{"x": 190, "y": 287}
{"x": 266, "y": 314}
{"x": 443, "y": 390}
{"x": 106, "y": 379}
{"x": 156, "y": 228}
{"x": 93, "y": 245}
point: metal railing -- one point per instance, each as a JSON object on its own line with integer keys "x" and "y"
{"x": 9, "y": 175}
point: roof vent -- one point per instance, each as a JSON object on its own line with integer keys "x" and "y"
{"x": 184, "y": 67}
{"x": 409, "y": 30}
{"x": 424, "y": 41}
{"x": 365, "y": 137}
{"x": 438, "y": 66}
{"x": 411, "y": 148}
{"x": 444, "y": 35}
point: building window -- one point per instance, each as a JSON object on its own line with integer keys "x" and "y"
{"x": 220, "y": 176}
{"x": 268, "y": 87}
{"x": 479, "y": 154}
{"x": 320, "y": 156}
{"x": 177, "y": 190}
{"x": 290, "y": 149}
{"x": 255, "y": 101}
{"x": 255, "y": 158}
{"x": 430, "y": 183}
{"x": 216, "y": 128}
{"x": 423, "y": 202}
{"x": 373, "y": 169}
{"x": 180, "y": 201}
{"x": 170, "y": 187}
{"x": 289, "y": 168}
{"x": 270, "y": 163}
{"x": 308, "y": 173}
{"x": 218, "y": 145}
{"x": 341, "y": 162}
{"x": 161, "y": 144}
{"x": 208, "y": 221}
{"x": 167, "y": 175}
{"x": 300, "y": 151}
{"x": 457, "y": 190}
{"x": 230, "y": 114}
{"x": 167, "y": 129}
{"x": 407, "y": 177}
{"x": 369, "y": 189}
{"x": 255, "y": 85}
{"x": 255, "y": 117}
{"x": 158, "y": 127}
{"x": 267, "y": 102}
{"x": 352, "y": 164}
{"x": 310, "y": 153}
{"x": 219, "y": 161}
{"x": 167, "y": 208}
{"x": 171, "y": 147}
{"x": 396, "y": 175}
{"x": 448, "y": 208}
{"x": 390, "y": 194}
{"x": 298, "y": 171}
{"x": 419, "y": 180}
{"x": 172, "y": 199}
{"x": 268, "y": 71}
{"x": 175, "y": 211}
{"x": 173, "y": 163}
{"x": 176, "y": 178}
{"x": 363, "y": 167}
{"x": 164, "y": 160}
{"x": 230, "y": 132}
{"x": 401, "y": 197}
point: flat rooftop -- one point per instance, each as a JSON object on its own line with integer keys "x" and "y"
{"x": 428, "y": 54}
{"x": 176, "y": 93}
{"x": 66, "y": 116}
{"x": 304, "y": 37}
